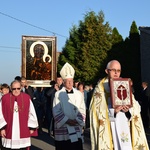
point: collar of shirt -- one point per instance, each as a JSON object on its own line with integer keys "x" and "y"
{"x": 69, "y": 92}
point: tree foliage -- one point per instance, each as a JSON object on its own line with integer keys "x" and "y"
{"x": 117, "y": 46}
{"x": 87, "y": 47}
{"x": 93, "y": 43}
{"x": 133, "y": 63}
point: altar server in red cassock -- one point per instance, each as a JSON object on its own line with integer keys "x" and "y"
{"x": 18, "y": 119}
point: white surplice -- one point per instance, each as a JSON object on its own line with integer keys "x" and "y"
{"x": 16, "y": 142}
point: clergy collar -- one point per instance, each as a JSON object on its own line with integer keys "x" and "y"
{"x": 69, "y": 92}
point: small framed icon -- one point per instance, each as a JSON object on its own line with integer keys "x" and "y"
{"x": 121, "y": 92}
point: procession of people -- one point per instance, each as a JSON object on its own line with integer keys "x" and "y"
{"x": 67, "y": 108}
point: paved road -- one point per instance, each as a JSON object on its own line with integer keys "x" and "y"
{"x": 45, "y": 142}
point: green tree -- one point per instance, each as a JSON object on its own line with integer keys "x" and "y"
{"x": 116, "y": 37}
{"x": 135, "y": 57}
{"x": 132, "y": 61}
{"x": 117, "y": 46}
{"x": 87, "y": 47}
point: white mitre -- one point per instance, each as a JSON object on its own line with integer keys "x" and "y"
{"x": 67, "y": 71}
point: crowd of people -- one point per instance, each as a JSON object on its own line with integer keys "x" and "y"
{"x": 42, "y": 100}
{"x": 67, "y": 107}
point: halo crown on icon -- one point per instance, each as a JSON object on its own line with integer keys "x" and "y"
{"x": 38, "y": 42}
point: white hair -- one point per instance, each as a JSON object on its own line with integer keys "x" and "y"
{"x": 110, "y": 62}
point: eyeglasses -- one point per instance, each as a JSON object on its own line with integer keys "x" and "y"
{"x": 115, "y": 70}
{"x": 16, "y": 89}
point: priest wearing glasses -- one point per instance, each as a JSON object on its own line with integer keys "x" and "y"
{"x": 114, "y": 128}
{"x": 18, "y": 119}
{"x": 69, "y": 113}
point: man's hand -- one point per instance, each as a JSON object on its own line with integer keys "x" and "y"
{"x": 118, "y": 109}
{"x": 125, "y": 109}
{"x": 3, "y": 133}
{"x": 122, "y": 108}
{"x": 31, "y": 131}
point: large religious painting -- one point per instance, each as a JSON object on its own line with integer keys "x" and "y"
{"x": 121, "y": 92}
{"x": 39, "y": 59}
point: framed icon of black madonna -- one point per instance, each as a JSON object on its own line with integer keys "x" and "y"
{"x": 39, "y": 60}
{"x": 121, "y": 92}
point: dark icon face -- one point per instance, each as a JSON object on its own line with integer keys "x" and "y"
{"x": 39, "y": 51}
{"x": 47, "y": 59}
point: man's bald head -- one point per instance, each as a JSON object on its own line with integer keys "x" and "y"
{"x": 113, "y": 69}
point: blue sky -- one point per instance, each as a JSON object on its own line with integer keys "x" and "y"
{"x": 57, "y": 17}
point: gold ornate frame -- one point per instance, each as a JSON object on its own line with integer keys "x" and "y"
{"x": 121, "y": 92}
{"x": 35, "y": 51}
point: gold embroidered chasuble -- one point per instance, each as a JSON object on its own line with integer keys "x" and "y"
{"x": 100, "y": 128}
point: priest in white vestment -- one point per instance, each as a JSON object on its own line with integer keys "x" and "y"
{"x": 18, "y": 120}
{"x": 69, "y": 113}
{"x": 114, "y": 129}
